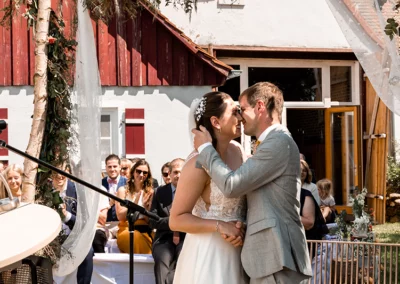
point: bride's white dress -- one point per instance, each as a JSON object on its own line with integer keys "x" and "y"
{"x": 207, "y": 257}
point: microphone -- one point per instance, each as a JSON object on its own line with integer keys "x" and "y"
{"x": 3, "y": 125}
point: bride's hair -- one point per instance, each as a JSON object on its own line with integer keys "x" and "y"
{"x": 215, "y": 105}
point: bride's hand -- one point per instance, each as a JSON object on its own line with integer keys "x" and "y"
{"x": 236, "y": 240}
{"x": 232, "y": 232}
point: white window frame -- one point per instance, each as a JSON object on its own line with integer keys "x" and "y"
{"x": 324, "y": 65}
{"x": 114, "y": 131}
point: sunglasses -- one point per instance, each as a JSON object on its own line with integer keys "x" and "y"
{"x": 140, "y": 171}
{"x": 165, "y": 174}
{"x": 124, "y": 168}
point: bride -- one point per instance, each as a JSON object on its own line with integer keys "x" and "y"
{"x": 201, "y": 210}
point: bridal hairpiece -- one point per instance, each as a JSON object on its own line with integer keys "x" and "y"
{"x": 201, "y": 108}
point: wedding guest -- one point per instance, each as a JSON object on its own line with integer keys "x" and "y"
{"x": 13, "y": 176}
{"x": 126, "y": 166}
{"x": 155, "y": 182}
{"x": 306, "y": 177}
{"x": 327, "y": 201}
{"x": 138, "y": 189}
{"x": 101, "y": 235}
{"x": 2, "y": 168}
{"x": 165, "y": 172}
{"x": 167, "y": 245}
{"x": 67, "y": 192}
{"x": 112, "y": 182}
{"x": 311, "y": 217}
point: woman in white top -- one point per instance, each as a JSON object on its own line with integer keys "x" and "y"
{"x": 139, "y": 190}
{"x": 306, "y": 177}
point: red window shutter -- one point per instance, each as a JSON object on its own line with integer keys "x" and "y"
{"x": 4, "y": 134}
{"x": 134, "y": 132}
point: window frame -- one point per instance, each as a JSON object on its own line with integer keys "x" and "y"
{"x": 324, "y": 65}
{"x": 114, "y": 132}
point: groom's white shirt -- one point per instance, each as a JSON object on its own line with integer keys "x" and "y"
{"x": 261, "y": 138}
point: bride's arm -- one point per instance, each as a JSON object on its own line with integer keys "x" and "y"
{"x": 190, "y": 187}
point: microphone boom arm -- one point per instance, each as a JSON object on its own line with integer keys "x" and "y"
{"x": 124, "y": 202}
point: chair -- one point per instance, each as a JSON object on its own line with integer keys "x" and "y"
{"x": 30, "y": 270}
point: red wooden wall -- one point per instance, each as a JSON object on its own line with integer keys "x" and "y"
{"x": 4, "y": 134}
{"x": 139, "y": 52}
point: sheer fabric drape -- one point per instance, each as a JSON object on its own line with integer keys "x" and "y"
{"x": 85, "y": 146}
{"x": 363, "y": 23}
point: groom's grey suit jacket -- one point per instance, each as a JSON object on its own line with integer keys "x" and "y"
{"x": 271, "y": 181}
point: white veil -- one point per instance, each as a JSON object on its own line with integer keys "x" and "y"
{"x": 85, "y": 149}
{"x": 191, "y": 120}
{"x": 363, "y": 23}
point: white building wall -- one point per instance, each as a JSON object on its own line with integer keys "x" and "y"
{"x": 269, "y": 23}
{"x": 166, "y": 119}
{"x": 19, "y": 102}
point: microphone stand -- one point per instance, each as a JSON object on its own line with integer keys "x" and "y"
{"x": 133, "y": 209}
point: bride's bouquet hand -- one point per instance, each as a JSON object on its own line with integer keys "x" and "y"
{"x": 233, "y": 232}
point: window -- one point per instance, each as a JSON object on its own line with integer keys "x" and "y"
{"x": 134, "y": 133}
{"x": 297, "y": 84}
{"x": 305, "y": 83}
{"x": 340, "y": 83}
{"x": 108, "y": 134}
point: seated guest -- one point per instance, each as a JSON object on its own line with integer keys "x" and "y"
{"x": 101, "y": 236}
{"x": 311, "y": 217}
{"x": 13, "y": 176}
{"x": 67, "y": 192}
{"x": 167, "y": 245}
{"x": 327, "y": 201}
{"x": 306, "y": 177}
{"x": 138, "y": 189}
{"x": 165, "y": 172}
{"x": 126, "y": 166}
{"x": 112, "y": 182}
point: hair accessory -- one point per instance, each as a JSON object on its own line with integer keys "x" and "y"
{"x": 201, "y": 108}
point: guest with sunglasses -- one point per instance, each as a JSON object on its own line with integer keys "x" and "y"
{"x": 165, "y": 172}
{"x": 126, "y": 166}
{"x": 138, "y": 189}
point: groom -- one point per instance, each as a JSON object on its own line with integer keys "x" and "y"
{"x": 275, "y": 249}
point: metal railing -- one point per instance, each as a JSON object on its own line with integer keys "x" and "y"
{"x": 341, "y": 262}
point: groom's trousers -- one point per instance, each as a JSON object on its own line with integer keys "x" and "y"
{"x": 165, "y": 254}
{"x": 285, "y": 276}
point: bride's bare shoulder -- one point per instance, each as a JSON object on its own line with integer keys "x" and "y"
{"x": 191, "y": 164}
{"x": 238, "y": 149}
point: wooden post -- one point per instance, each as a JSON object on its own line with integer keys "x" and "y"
{"x": 40, "y": 100}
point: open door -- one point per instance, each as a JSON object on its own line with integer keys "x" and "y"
{"x": 342, "y": 150}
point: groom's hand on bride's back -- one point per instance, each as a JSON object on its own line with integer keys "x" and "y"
{"x": 201, "y": 137}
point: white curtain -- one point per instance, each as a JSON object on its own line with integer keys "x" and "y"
{"x": 85, "y": 149}
{"x": 363, "y": 23}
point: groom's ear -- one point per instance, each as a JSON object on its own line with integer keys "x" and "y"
{"x": 260, "y": 106}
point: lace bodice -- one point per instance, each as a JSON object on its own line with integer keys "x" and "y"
{"x": 221, "y": 207}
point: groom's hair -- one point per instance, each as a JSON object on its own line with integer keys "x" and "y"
{"x": 267, "y": 92}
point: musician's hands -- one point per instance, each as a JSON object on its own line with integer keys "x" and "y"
{"x": 236, "y": 240}
{"x": 201, "y": 137}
